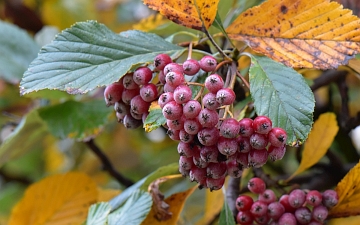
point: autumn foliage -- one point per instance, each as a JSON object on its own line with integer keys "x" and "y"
{"x": 292, "y": 63}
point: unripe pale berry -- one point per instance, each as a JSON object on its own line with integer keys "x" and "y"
{"x": 256, "y": 185}
{"x": 214, "y": 83}
{"x": 208, "y": 63}
{"x": 229, "y": 128}
{"x": 262, "y": 124}
{"x": 191, "y": 67}
{"x": 225, "y": 96}
{"x": 142, "y": 75}
{"x": 161, "y": 61}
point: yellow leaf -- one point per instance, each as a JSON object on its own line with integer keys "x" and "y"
{"x": 176, "y": 203}
{"x": 150, "y": 23}
{"x": 105, "y": 195}
{"x": 214, "y": 200}
{"x": 352, "y": 220}
{"x": 186, "y": 13}
{"x": 58, "y": 199}
{"x": 348, "y": 190}
{"x": 303, "y": 33}
{"x": 320, "y": 138}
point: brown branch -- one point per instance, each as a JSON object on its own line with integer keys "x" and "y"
{"x": 327, "y": 77}
{"x": 107, "y": 164}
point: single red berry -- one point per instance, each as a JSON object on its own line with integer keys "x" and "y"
{"x": 142, "y": 75}
{"x": 320, "y": 213}
{"x": 187, "y": 149}
{"x": 113, "y": 93}
{"x": 131, "y": 123}
{"x": 275, "y": 210}
{"x": 174, "y": 78}
{"x": 262, "y": 124}
{"x": 244, "y": 218}
{"x": 138, "y": 105}
{"x": 192, "y": 126}
{"x": 173, "y": 67}
{"x": 129, "y": 82}
{"x": 209, "y": 101}
{"x": 229, "y": 128}
{"x": 225, "y": 96}
{"x": 330, "y": 198}
{"x": 284, "y": 200}
{"x": 198, "y": 175}
{"x": 276, "y": 153}
{"x": 277, "y": 137}
{"x": 246, "y": 127}
{"x": 191, "y": 67}
{"x": 258, "y": 141}
{"x": 244, "y": 203}
{"x": 129, "y": 94}
{"x": 303, "y": 215}
{"x": 208, "y": 136}
{"x": 257, "y": 157}
{"x": 297, "y": 198}
{"x": 172, "y": 111}
{"x": 268, "y": 196}
{"x": 215, "y": 184}
{"x": 214, "y": 83}
{"x": 208, "y": 63}
{"x": 148, "y": 92}
{"x": 216, "y": 170}
{"x": 208, "y": 118}
{"x": 165, "y": 98}
{"x": 209, "y": 153}
{"x": 313, "y": 198}
{"x": 256, "y": 185}
{"x": 182, "y": 94}
{"x": 161, "y": 61}
{"x": 258, "y": 208}
{"x": 186, "y": 162}
{"x": 243, "y": 159}
{"x": 234, "y": 169}
{"x": 287, "y": 219}
{"x": 227, "y": 146}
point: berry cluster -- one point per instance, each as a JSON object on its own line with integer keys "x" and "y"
{"x": 211, "y": 146}
{"x": 298, "y": 207}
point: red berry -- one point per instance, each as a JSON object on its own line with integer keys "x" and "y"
{"x": 191, "y": 109}
{"x": 131, "y": 123}
{"x": 303, "y": 215}
{"x": 185, "y": 137}
{"x": 174, "y": 78}
{"x": 142, "y": 75}
{"x": 275, "y": 210}
{"x": 227, "y": 146}
{"x": 208, "y": 136}
{"x": 192, "y": 126}
{"x": 191, "y": 67}
{"x": 284, "y": 200}
{"x": 244, "y": 144}
{"x": 161, "y": 61}
{"x": 243, "y": 159}
{"x": 243, "y": 203}
{"x": 258, "y": 158}
{"x": 113, "y": 93}
{"x": 209, "y": 153}
{"x": 234, "y": 169}
{"x": 330, "y": 198}
{"x": 297, "y": 198}
{"x": 258, "y": 208}
{"x": 276, "y": 153}
{"x": 208, "y": 118}
{"x": 175, "y": 124}
{"x": 216, "y": 170}
{"x": 129, "y": 82}
{"x": 258, "y": 141}
{"x": 209, "y": 101}
{"x": 262, "y": 124}
{"x": 148, "y": 92}
{"x": 165, "y": 98}
{"x": 244, "y": 218}
{"x": 320, "y": 213}
{"x": 229, "y": 128}
{"x": 129, "y": 94}
{"x": 172, "y": 111}
{"x": 246, "y": 127}
{"x": 182, "y": 94}
{"x": 208, "y": 63}
{"x": 268, "y": 196}
{"x": 287, "y": 219}
{"x": 214, "y": 83}
{"x": 173, "y": 134}
{"x": 277, "y": 137}
{"x": 173, "y": 67}
{"x": 313, "y": 198}
{"x": 215, "y": 184}
{"x": 225, "y": 96}
{"x": 198, "y": 175}
{"x": 186, "y": 162}
{"x": 256, "y": 185}
{"x": 187, "y": 149}
{"x": 138, "y": 105}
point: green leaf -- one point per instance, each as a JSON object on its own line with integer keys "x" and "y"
{"x": 283, "y": 95}
{"x": 89, "y": 55}
{"x": 134, "y": 211}
{"x": 26, "y": 137}
{"x": 226, "y": 216}
{"x": 98, "y": 214}
{"x": 144, "y": 183}
{"x": 155, "y": 119}
{"x": 17, "y": 49}
{"x": 73, "y": 119}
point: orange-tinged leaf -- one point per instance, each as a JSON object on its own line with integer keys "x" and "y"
{"x": 193, "y": 13}
{"x": 176, "y": 203}
{"x": 348, "y": 190}
{"x": 150, "y": 23}
{"x": 105, "y": 195}
{"x": 320, "y": 138}
{"x": 214, "y": 201}
{"x": 300, "y": 33}
{"x": 352, "y": 220}
{"x": 58, "y": 199}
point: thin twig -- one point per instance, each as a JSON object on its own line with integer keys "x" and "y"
{"x": 243, "y": 79}
{"x": 107, "y": 164}
{"x": 232, "y": 192}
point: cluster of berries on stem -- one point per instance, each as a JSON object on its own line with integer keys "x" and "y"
{"x": 212, "y": 144}
{"x": 308, "y": 207}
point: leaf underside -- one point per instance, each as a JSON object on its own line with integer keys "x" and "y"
{"x": 89, "y": 55}
{"x": 282, "y": 94}
{"x": 311, "y": 34}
